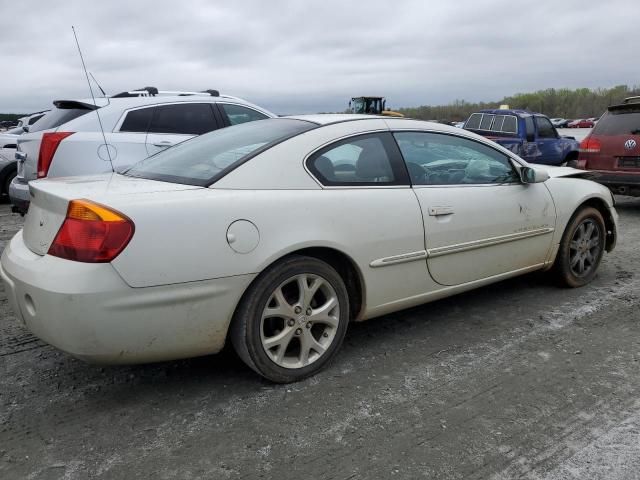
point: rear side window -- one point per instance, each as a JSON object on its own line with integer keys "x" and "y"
{"x": 137, "y": 120}
{"x": 358, "y": 161}
{"x": 619, "y": 122}
{"x": 183, "y": 118}
{"x": 57, "y": 117}
{"x": 238, "y": 114}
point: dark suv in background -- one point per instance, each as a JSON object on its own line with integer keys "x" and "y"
{"x": 612, "y": 149}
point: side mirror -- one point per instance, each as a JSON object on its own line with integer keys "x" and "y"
{"x": 533, "y": 175}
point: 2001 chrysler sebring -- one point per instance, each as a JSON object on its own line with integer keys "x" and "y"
{"x": 276, "y": 234}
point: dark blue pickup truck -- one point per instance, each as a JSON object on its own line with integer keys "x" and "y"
{"x": 529, "y": 135}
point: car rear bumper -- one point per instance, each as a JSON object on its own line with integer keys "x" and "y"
{"x": 88, "y": 311}
{"x": 19, "y": 195}
{"x": 623, "y": 183}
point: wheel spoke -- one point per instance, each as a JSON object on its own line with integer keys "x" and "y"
{"x": 581, "y": 265}
{"x": 322, "y": 314}
{"x": 575, "y": 259}
{"x": 573, "y": 245}
{"x": 282, "y": 310}
{"x": 306, "y": 292}
{"x": 589, "y": 257}
{"x": 281, "y": 339}
{"x": 589, "y": 230}
{"x": 594, "y": 242}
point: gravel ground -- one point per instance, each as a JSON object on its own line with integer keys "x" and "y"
{"x": 517, "y": 380}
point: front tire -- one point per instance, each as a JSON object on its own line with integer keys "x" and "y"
{"x": 581, "y": 248}
{"x": 292, "y": 320}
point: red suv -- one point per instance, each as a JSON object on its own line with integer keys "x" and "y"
{"x": 612, "y": 149}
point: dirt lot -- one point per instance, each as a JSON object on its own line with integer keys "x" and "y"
{"x": 517, "y": 380}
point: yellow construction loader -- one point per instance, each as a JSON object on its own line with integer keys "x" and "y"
{"x": 371, "y": 105}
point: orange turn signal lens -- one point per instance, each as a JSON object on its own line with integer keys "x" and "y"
{"x": 86, "y": 210}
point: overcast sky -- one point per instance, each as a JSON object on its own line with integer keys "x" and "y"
{"x": 310, "y": 56}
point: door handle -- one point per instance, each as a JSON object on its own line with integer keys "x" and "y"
{"x": 437, "y": 211}
{"x": 164, "y": 143}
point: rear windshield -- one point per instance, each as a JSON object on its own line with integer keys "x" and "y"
{"x": 207, "y": 158}
{"x": 57, "y": 117}
{"x": 492, "y": 123}
{"x": 619, "y": 122}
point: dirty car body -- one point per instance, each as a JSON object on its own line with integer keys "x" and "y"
{"x": 376, "y": 214}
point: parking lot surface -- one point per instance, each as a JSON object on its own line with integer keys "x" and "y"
{"x": 516, "y": 380}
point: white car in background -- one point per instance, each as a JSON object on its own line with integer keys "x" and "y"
{"x": 274, "y": 235}
{"x": 69, "y": 141}
{"x": 8, "y": 143}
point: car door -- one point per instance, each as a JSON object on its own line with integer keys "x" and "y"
{"x": 364, "y": 179}
{"x": 174, "y": 123}
{"x": 550, "y": 147}
{"x": 479, "y": 219}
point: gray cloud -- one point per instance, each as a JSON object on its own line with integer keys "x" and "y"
{"x": 307, "y": 56}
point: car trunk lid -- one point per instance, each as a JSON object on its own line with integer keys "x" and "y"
{"x": 50, "y": 200}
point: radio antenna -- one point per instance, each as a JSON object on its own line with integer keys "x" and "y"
{"x": 104, "y": 137}
{"x": 101, "y": 89}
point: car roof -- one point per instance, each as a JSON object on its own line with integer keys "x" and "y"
{"x": 498, "y": 111}
{"x": 131, "y": 102}
{"x": 328, "y": 118}
{"x": 333, "y": 118}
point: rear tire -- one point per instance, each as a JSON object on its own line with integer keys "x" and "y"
{"x": 292, "y": 320}
{"x": 581, "y": 248}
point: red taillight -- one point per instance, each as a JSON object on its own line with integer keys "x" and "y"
{"x": 91, "y": 233}
{"x": 48, "y": 147}
{"x": 590, "y": 145}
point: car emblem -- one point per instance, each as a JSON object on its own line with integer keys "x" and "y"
{"x": 630, "y": 144}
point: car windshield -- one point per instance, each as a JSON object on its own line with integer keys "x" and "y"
{"x": 207, "y": 158}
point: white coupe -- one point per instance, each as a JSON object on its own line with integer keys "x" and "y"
{"x": 276, "y": 234}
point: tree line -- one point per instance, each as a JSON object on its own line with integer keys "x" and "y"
{"x": 563, "y": 102}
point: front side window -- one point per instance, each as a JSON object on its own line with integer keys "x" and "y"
{"x": 205, "y": 159}
{"x": 358, "y": 161}
{"x": 183, "y": 118}
{"x": 238, "y": 114}
{"x": 545, "y": 129}
{"x": 441, "y": 159}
